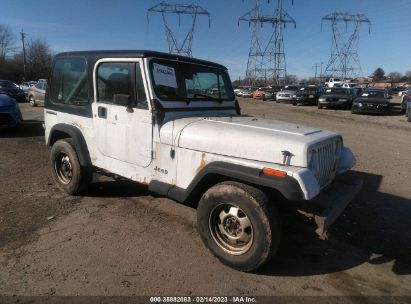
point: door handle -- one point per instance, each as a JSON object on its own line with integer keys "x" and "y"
{"x": 102, "y": 112}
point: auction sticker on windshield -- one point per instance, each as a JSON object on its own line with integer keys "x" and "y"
{"x": 164, "y": 75}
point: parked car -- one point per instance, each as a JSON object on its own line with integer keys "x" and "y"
{"x": 287, "y": 93}
{"x": 37, "y": 93}
{"x": 247, "y": 93}
{"x": 333, "y": 82}
{"x": 10, "y": 115}
{"x": 13, "y": 90}
{"x": 403, "y": 92}
{"x": 337, "y": 98}
{"x": 372, "y": 101}
{"x": 263, "y": 93}
{"x": 349, "y": 85}
{"x": 191, "y": 148}
{"x": 308, "y": 95}
{"x": 405, "y": 97}
{"x": 25, "y": 86}
{"x": 408, "y": 110}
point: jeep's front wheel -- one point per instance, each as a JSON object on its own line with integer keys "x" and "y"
{"x": 239, "y": 225}
{"x": 66, "y": 170}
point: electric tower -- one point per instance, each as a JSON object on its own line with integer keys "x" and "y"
{"x": 266, "y": 60}
{"x": 344, "y": 61}
{"x": 193, "y": 10}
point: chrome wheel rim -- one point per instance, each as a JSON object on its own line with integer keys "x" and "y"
{"x": 231, "y": 229}
{"x": 63, "y": 168}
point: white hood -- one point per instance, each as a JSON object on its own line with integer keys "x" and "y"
{"x": 244, "y": 137}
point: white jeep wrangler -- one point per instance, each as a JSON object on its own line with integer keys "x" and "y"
{"x": 173, "y": 123}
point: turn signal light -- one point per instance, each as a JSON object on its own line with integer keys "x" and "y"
{"x": 273, "y": 172}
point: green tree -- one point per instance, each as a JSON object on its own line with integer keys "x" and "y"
{"x": 378, "y": 74}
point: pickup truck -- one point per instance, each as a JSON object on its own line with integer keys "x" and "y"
{"x": 333, "y": 82}
{"x": 173, "y": 123}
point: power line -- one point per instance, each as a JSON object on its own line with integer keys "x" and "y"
{"x": 164, "y": 8}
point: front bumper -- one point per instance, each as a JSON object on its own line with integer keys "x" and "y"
{"x": 331, "y": 202}
{"x": 334, "y": 103}
{"x": 365, "y": 108}
{"x": 305, "y": 100}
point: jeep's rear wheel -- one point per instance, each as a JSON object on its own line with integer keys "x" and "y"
{"x": 66, "y": 170}
{"x": 239, "y": 225}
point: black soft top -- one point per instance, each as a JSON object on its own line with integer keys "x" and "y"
{"x": 96, "y": 55}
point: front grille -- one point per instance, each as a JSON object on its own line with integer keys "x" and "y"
{"x": 325, "y": 162}
{"x": 6, "y": 119}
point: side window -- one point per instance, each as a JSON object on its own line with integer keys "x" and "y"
{"x": 69, "y": 82}
{"x": 114, "y": 83}
{"x": 121, "y": 83}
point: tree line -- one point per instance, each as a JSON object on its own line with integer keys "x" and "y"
{"x": 379, "y": 75}
{"x": 38, "y": 57}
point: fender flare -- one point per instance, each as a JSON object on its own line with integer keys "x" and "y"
{"x": 75, "y": 134}
{"x": 288, "y": 186}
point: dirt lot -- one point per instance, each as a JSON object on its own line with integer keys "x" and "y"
{"x": 119, "y": 239}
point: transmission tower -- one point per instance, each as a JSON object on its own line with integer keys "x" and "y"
{"x": 267, "y": 61}
{"x": 165, "y": 8}
{"x": 344, "y": 61}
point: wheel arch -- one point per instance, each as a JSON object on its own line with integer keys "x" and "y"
{"x": 217, "y": 172}
{"x": 62, "y": 131}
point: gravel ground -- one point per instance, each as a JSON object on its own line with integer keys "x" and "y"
{"x": 119, "y": 239}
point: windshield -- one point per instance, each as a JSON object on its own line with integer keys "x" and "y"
{"x": 338, "y": 91}
{"x": 377, "y": 94}
{"x": 7, "y": 84}
{"x": 291, "y": 88}
{"x": 308, "y": 90}
{"x": 189, "y": 82}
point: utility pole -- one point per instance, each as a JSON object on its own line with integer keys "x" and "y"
{"x": 23, "y": 36}
{"x": 315, "y": 73}
{"x": 321, "y": 70}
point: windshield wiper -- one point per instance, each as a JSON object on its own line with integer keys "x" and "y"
{"x": 220, "y": 100}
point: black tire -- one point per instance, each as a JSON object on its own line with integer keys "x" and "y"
{"x": 319, "y": 106}
{"x": 32, "y": 101}
{"x": 409, "y": 115}
{"x": 253, "y": 204}
{"x": 66, "y": 170}
{"x": 294, "y": 103}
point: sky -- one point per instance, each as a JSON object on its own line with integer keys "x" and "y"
{"x": 122, "y": 24}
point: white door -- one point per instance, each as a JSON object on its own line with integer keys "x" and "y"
{"x": 123, "y": 122}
